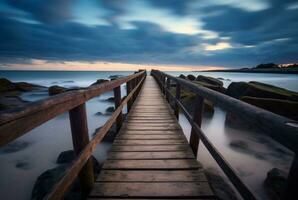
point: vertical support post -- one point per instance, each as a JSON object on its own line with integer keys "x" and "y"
{"x": 178, "y": 96}
{"x": 133, "y": 87}
{"x": 163, "y": 82}
{"x": 117, "y": 95}
{"x": 80, "y": 139}
{"x": 197, "y": 118}
{"x": 128, "y": 90}
{"x": 167, "y": 90}
{"x": 292, "y": 182}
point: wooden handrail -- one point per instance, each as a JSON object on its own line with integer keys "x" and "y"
{"x": 274, "y": 125}
{"x": 71, "y": 173}
{"x": 16, "y": 122}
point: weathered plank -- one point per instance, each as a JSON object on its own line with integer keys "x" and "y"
{"x": 151, "y": 148}
{"x": 152, "y": 164}
{"x": 149, "y": 142}
{"x": 150, "y": 155}
{"x": 151, "y": 175}
{"x": 149, "y": 137}
{"x": 152, "y": 189}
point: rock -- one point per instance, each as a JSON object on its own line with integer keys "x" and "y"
{"x": 110, "y": 99}
{"x": 278, "y": 106}
{"x": 66, "y": 157}
{"x": 53, "y": 90}
{"x": 182, "y": 76}
{"x": 191, "y": 77}
{"x": 99, "y": 81}
{"x": 8, "y": 102}
{"x": 22, "y": 165}
{"x": 49, "y": 178}
{"x": 115, "y": 76}
{"x": 210, "y": 86}
{"x": 110, "y": 136}
{"x": 98, "y": 113}
{"x": 25, "y": 87}
{"x": 209, "y": 80}
{"x": 15, "y": 146}
{"x": 275, "y": 183}
{"x": 260, "y": 90}
{"x": 110, "y": 109}
{"x": 6, "y": 85}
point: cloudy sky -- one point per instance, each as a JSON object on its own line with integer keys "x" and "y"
{"x": 173, "y": 34}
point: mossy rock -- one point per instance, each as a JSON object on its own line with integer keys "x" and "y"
{"x": 6, "y": 85}
{"x": 278, "y": 106}
{"x": 53, "y": 90}
{"x": 182, "y": 76}
{"x": 209, "y": 80}
{"x": 210, "y": 86}
{"x": 100, "y": 81}
{"x": 275, "y": 183}
{"x": 110, "y": 109}
{"x": 191, "y": 77}
{"x": 24, "y": 86}
{"x": 260, "y": 90}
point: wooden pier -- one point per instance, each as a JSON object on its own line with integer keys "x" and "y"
{"x": 150, "y": 157}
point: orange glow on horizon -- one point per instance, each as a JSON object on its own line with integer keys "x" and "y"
{"x": 100, "y": 66}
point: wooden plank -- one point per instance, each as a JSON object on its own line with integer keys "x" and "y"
{"x": 148, "y": 137}
{"x": 152, "y": 189}
{"x": 150, "y": 132}
{"x": 152, "y": 164}
{"x": 151, "y": 175}
{"x": 148, "y": 142}
{"x": 152, "y": 148}
{"x": 150, "y": 155}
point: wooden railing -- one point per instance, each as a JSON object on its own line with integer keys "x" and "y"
{"x": 281, "y": 129}
{"x": 15, "y": 123}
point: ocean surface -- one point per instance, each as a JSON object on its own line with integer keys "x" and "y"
{"x": 23, "y": 160}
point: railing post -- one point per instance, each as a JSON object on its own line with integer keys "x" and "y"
{"x": 134, "y": 84}
{"x": 117, "y": 95}
{"x": 167, "y": 90}
{"x": 128, "y": 90}
{"x": 292, "y": 182}
{"x": 197, "y": 118}
{"x": 163, "y": 79}
{"x": 80, "y": 139}
{"x": 178, "y": 95}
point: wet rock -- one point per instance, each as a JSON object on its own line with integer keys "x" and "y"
{"x": 191, "y": 77}
{"x": 110, "y": 109}
{"x": 275, "y": 183}
{"x": 6, "y": 85}
{"x": 209, "y": 80}
{"x": 110, "y": 99}
{"x": 111, "y": 134}
{"x": 22, "y": 165}
{"x": 99, "y": 81}
{"x": 66, "y": 157}
{"x": 99, "y": 113}
{"x": 182, "y": 76}
{"x": 115, "y": 76}
{"x": 8, "y": 102}
{"x": 260, "y": 90}
{"x": 15, "y": 146}
{"x": 49, "y": 178}
{"x": 282, "y": 107}
{"x": 53, "y": 90}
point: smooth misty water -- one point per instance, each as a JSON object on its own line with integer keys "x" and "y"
{"x": 19, "y": 170}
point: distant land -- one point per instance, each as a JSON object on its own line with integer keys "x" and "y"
{"x": 264, "y": 68}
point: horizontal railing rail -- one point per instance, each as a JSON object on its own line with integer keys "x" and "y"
{"x": 16, "y": 122}
{"x": 281, "y": 129}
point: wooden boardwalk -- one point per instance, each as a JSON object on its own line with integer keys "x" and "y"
{"x": 150, "y": 157}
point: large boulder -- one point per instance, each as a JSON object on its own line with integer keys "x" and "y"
{"x": 191, "y": 77}
{"x": 209, "y": 80}
{"x": 182, "y": 76}
{"x": 275, "y": 183}
{"x": 6, "y": 86}
{"x": 100, "y": 81}
{"x": 210, "y": 86}
{"x": 282, "y": 107}
{"x": 55, "y": 89}
{"x": 260, "y": 90}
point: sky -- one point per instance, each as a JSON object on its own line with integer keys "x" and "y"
{"x": 132, "y": 34}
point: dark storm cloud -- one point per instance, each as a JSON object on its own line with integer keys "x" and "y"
{"x": 268, "y": 35}
{"x": 51, "y": 11}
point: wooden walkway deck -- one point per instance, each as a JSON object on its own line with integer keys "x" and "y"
{"x": 150, "y": 157}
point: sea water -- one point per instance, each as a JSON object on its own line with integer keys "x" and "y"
{"x": 19, "y": 168}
